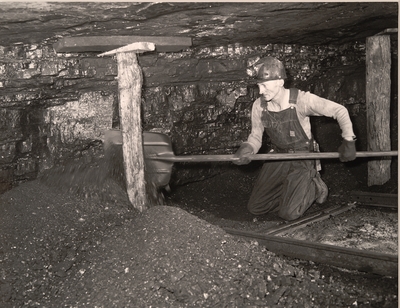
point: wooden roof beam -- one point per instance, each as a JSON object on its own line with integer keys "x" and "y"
{"x": 388, "y": 31}
{"x": 106, "y": 43}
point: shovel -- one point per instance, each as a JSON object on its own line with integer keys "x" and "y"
{"x": 159, "y": 156}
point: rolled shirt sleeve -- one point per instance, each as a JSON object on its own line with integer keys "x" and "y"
{"x": 257, "y": 127}
{"x": 312, "y": 105}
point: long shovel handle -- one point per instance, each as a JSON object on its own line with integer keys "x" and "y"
{"x": 159, "y": 156}
{"x": 158, "y": 147}
{"x": 278, "y": 156}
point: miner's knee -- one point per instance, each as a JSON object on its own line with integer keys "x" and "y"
{"x": 289, "y": 214}
{"x": 253, "y": 209}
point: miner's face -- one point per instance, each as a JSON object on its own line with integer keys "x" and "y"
{"x": 269, "y": 89}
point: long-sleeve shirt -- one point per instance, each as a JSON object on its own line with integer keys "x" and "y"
{"x": 307, "y": 105}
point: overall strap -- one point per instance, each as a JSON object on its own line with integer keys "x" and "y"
{"x": 293, "y": 95}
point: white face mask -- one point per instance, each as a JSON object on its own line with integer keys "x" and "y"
{"x": 269, "y": 89}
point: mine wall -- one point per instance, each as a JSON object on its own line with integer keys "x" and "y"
{"x": 55, "y": 107}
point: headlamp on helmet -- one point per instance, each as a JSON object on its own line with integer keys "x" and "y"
{"x": 269, "y": 68}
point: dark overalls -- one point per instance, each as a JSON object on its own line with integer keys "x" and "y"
{"x": 285, "y": 186}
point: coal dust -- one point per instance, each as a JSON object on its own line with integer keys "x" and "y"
{"x": 101, "y": 179}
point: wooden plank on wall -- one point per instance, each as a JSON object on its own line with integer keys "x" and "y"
{"x": 105, "y": 43}
{"x": 378, "y": 62}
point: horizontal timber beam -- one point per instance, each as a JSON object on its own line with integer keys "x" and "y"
{"x": 388, "y": 31}
{"x": 134, "y": 47}
{"x": 106, "y": 43}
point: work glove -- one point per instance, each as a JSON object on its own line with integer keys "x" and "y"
{"x": 347, "y": 150}
{"x": 243, "y": 152}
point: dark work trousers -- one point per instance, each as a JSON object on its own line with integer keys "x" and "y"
{"x": 284, "y": 186}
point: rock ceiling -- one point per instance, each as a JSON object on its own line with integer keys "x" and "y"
{"x": 207, "y": 23}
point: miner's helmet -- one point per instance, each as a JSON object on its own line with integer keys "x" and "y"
{"x": 269, "y": 68}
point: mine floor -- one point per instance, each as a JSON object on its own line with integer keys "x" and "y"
{"x": 64, "y": 247}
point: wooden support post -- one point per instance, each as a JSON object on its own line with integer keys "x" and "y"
{"x": 378, "y": 62}
{"x": 130, "y": 81}
{"x": 129, "y": 85}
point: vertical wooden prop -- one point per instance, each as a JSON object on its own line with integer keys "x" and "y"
{"x": 130, "y": 88}
{"x": 378, "y": 64}
{"x": 130, "y": 81}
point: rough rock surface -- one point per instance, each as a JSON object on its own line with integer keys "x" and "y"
{"x": 209, "y": 24}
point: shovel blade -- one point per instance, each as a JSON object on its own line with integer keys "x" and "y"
{"x": 158, "y": 172}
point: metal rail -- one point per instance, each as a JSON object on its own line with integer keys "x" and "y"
{"x": 375, "y": 199}
{"x": 302, "y": 222}
{"x": 349, "y": 258}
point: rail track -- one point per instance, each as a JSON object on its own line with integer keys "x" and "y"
{"x": 349, "y": 258}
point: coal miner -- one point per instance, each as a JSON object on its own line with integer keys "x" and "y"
{"x": 289, "y": 187}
